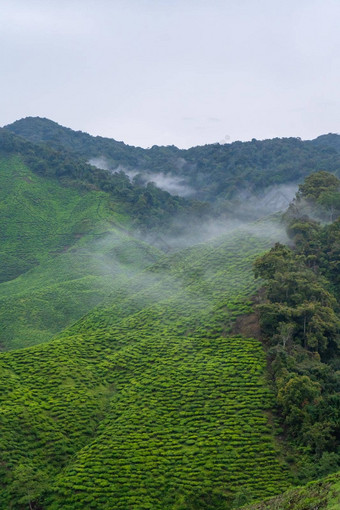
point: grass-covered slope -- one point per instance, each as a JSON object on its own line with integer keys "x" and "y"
{"x": 62, "y": 252}
{"x": 48, "y": 298}
{"x": 187, "y": 416}
{"x": 320, "y": 495}
{"x": 40, "y": 217}
{"x": 150, "y": 401}
{"x": 146, "y": 207}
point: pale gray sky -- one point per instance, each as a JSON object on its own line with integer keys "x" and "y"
{"x": 183, "y": 72}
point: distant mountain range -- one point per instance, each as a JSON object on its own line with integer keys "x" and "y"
{"x": 213, "y": 173}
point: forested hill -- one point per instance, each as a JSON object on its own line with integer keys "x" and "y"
{"x": 330, "y": 140}
{"x": 148, "y": 207}
{"x": 210, "y": 172}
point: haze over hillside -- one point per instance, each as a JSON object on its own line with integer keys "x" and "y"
{"x": 146, "y": 367}
{"x": 170, "y": 255}
{"x": 210, "y": 172}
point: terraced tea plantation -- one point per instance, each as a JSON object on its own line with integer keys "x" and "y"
{"x": 187, "y": 415}
{"x": 150, "y": 401}
{"x": 62, "y": 252}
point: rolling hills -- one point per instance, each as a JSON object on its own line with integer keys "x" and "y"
{"x": 214, "y": 173}
{"x": 133, "y": 375}
{"x": 62, "y": 251}
{"x": 151, "y": 387}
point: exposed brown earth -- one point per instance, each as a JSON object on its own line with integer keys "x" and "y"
{"x": 248, "y": 326}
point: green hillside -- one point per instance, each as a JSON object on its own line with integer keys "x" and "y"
{"x": 39, "y": 217}
{"x": 136, "y": 379}
{"x": 322, "y": 495}
{"x": 212, "y": 172}
{"x": 300, "y": 326}
{"x": 42, "y": 302}
{"x": 62, "y": 251}
{"x": 147, "y": 207}
{"x": 151, "y": 401}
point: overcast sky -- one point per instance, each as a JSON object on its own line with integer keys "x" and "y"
{"x": 182, "y": 72}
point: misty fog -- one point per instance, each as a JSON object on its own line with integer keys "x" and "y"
{"x": 173, "y": 184}
{"x": 238, "y": 213}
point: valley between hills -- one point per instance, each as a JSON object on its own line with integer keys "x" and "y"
{"x": 169, "y": 323}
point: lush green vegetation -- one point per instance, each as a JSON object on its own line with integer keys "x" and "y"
{"x": 53, "y": 295}
{"x": 214, "y": 172}
{"x": 321, "y": 495}
{"x": 147, "y": 207}
{"x": 39, "y": 217}
{"x": 150, "y": 400}
{"x": 62, "y": 252}
{"x": 300, "y": 321}
{"x": 154, "y": 392}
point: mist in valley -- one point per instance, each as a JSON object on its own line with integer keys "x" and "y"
{"x": 258, "y": 214}
{"x": 138, "y": 263}
{"x": 224, "y": 217}
{"x": 173, "y": 184}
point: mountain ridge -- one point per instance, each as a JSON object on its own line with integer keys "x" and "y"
{"x": 213, "y": 173}
{"x": 24, "y": 124}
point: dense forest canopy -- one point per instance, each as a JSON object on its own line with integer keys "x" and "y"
{"x": 148, "y": 206}
{"x": 301, "y": 324}
{"x": 211, "y": 172}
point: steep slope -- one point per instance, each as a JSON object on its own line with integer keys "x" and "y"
{"x": 211, "y": 172}
{"x": 40, "y": 217}
{"x": 62, "y": 251}
{"x": 146, "y": 207}
{"x": 154, "y": 399}
{"x": 150, "y": 401}
{"x": 321, "y": 495}
{"x": 47, "y": 299}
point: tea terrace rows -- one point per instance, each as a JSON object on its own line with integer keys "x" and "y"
{"x": 146, "y": 392}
